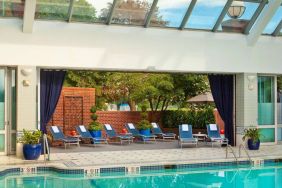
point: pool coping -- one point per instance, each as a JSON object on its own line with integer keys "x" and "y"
{"x": 96, "y": 171}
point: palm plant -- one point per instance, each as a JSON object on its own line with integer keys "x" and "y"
{"x": 252, "y": 133}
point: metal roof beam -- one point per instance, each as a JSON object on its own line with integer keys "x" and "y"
{"x": 187, "y": 14}
{"x": 70, "y": 10}
{"x": 255, "y": 16}
{"x": 263, "y": 19}
{"x": 222, "y": 15}
{"x": 277, "y": 29}
{"x": 111, "y": 13}
{"x": 150, "y": 13}
{"x": 29, "y": 14}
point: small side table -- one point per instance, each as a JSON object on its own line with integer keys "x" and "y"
{"x": 201, "y": 137}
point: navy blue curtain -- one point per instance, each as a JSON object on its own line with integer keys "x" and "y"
{"x": 222, "y": 91}
{"x": 51, "y": 83}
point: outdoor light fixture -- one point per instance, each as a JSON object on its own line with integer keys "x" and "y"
{"x": 26, "y": 72}
{"x": 236, "y": 10}
{"x": 251, "y": 84}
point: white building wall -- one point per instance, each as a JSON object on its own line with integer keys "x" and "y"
{"x": 246, "y": 103}
{"x": 26, "y": 99}
{"x": 102, "y": 47}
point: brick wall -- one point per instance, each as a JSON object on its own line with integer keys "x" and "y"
{"x": 73, "y": 108}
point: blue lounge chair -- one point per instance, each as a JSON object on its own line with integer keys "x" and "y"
{"x": 112, "y": 135}
{"x": 156, "y": 130}
{"x": 214, "y": 135}
{"x": 186, "y": 136}
{"x": 85, "y": 134}
{"x": 144, "y": 138}
{"x": 58, "y": 135}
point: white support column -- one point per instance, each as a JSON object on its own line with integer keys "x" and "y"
{"x": 29, "y": 13}
{"x": 246, "y": 103}
{"x": 263, "y": 19}
{"x": 26, "y": 98}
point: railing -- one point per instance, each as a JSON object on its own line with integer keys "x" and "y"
{"x": 247, "y": 153}
{"x": 228, "y": 147}
{"x": 46, "y": 148}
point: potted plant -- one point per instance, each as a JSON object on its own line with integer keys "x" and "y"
{"x": 31, "y": 144}
{"x": 95, "y": 128}
{"x": 144, "y": 125}
{"x": 253, "y": 135}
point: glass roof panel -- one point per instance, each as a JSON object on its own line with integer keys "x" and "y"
{"x": 169, "y": 13}
{"x": 11, "y": 8}
{"x": 273, "y": 23}
{"x": 52, "y": 9}
{"x": 131, "y": 12}
{"x": 205, "y": 14}
{"x": 239, "y": 24}
{"x": 91, "y": 10}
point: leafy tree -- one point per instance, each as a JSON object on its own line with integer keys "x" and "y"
{"x": 279, "y": 83}
{"x": 58, "y": 9}
{"x": 121, "y": 87}
{"x": 89, "y": 79}
{"x": 132, "y": 12}
{"x": 158, "y": 90}
{"x": 191, "y": 85}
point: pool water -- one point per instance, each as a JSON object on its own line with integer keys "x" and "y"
{"x": 268, "y": 176}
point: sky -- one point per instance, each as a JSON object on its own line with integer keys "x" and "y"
{"x": 204, "y": 14}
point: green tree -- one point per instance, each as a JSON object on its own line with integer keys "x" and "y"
{"x": 158, "y": 90}
{"x": 191, "y": 85}
{"x": 58, "y": 9}
{"x": 122, "y": 87}
{"x": 132, "y": 12}
{"x": 89, "y": 79}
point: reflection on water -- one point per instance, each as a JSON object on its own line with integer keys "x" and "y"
{"x": 233, "y": 178}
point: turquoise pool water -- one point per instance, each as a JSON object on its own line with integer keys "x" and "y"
{"x": 216, "y": 177}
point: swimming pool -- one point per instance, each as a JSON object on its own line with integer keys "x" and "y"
{"x": 269, "y": 175}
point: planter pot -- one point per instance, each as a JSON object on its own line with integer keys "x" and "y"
{"x": 252, "y": 145}
{"x": 96, "y": 134}
{"x": 145, "y": 132}
{"x": 31, "y": 151}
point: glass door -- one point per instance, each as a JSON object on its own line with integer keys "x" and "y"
{"x": 266, "y": 108}
{"x": 3, "y": 136}
{"x": 7, "y": 111}
{"x": 11, "y": 111}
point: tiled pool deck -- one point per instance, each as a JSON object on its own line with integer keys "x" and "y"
{"x": 108, "y": 156}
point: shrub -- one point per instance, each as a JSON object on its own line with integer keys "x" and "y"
{"x": 94, "y": 125}
{"x": 198, "y": 118}
{"x": 144, "y": 123}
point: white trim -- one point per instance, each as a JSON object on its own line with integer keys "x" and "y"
{"x": 262, "y": 21}
{"x": 275, "y": 109}
{"x": 29, "y": 14}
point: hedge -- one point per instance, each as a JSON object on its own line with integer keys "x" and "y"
{"x": 198, "y": 118}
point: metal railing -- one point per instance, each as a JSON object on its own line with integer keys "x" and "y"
{"x": 247, "y": 153}
{"x": 46, "y": 148}
{"x": 228, "y": 147}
